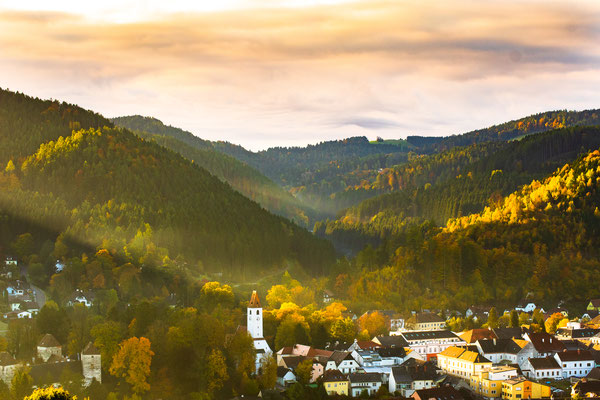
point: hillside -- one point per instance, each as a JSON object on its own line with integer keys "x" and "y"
{"x": 106, "y": 187}
{"x": 541, "y": 240}
{"x": 458, "y": 182}
{"x": 242, "y": 177}
{"x": 515, "y": 129}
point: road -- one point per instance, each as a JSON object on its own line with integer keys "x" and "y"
{"x": 40, "y": 295}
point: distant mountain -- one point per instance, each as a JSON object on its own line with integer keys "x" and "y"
{"x": 511, "y": 130}
{"x": 105, "y": 187}
{"x": 242, "y": 177}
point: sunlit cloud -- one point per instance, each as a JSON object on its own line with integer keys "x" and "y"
{"x": 263, "y": 73}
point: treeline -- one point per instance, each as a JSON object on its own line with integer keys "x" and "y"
{"x": 514, "y": 129}
{"x": 460, "y": 182}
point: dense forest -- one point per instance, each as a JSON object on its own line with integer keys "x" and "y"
{"x": 541, "y": 240}
{"x": 456, "y": 182}
{"x": 106, "y": 186}
{"x": 242, "y": 177}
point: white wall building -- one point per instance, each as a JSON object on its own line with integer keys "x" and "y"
{"x": 255, "y": 329}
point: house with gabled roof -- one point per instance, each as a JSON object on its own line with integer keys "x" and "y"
{"x": 412, "y": 375}
{"x": 544, "y": 343}
{"x": 438, "y": 393}
{"x": 8, "y": 367}
{"x": 473, "y": 335}
{"x": 48, "y": 346}
{"x": 506, "y": 351}
{"x": 462, "y": 363}
{"x": 335, "y": 383}
{"x": 594, "y": 305}
{"x": 425, "y": 321}
{"x": 285, "y": 376}
{"x": 575, "y": 363}
{"x": 542, "y": 368}
{"x": 342, "y": 361}
{"x": 368, "y": 382}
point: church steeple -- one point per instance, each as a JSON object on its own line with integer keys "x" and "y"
{"x": 255, "y": 318}
{"x": 254, "y": 301}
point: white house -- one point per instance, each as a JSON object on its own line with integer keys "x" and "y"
{"x": 342, "y": 361}
{"x": 542, "y": 368}
{"x": 514, "y": 351}
{"x": 575, "y": 363}
{"x": 410, "y": 376}
{"x": 255, "y": 329}
{"x": 285, "y": 376}
{"x": 370, "y": 382}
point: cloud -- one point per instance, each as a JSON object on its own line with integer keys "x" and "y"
{"x": 391, "y": 67}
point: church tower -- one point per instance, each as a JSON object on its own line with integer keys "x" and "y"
{"x": 255, "y": 317}
{"x": 255, "y": 329}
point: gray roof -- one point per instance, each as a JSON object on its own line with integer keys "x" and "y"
{"x": 365, "y": 377}
{"x": 544, "y": 363}
{"x": 491, "y": 346}
{"x": 424, "y": 335}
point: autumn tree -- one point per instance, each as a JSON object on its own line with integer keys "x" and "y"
{"x": 132, "y": 362}
{"x": 217, "y": 371}
{"x": 50, "y": 393}
{"x": 374, "y": 323}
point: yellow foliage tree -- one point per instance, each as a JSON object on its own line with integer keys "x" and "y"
{"x": 132, "y": 362}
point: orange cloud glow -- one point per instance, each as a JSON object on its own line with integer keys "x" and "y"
{"x": 269, "y": 75}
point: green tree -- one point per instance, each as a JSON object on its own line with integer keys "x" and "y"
{"x": 304, "y": 371}
{"x": 21, "y": 383}
{"x": 492, "y": 321}
{"x": 514, "y": 319}
{"x": 268, "y": 377}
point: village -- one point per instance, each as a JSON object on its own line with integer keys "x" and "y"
{"x": 420, "y": 357}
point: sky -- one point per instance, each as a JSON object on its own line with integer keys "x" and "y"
{"x": 264, "y": 73}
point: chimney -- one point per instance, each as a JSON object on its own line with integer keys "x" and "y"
{"x": 494, "y": 342}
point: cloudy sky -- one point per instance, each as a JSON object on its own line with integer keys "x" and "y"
{"x": 263, "y": 73}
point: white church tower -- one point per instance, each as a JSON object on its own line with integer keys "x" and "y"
{"x": 255, "y": 329}
{"x": 255, "y": 317}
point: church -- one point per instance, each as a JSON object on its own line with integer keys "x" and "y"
{"x": 255, "y": 329}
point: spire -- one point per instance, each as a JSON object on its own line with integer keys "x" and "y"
{"x": 254, "y": 301}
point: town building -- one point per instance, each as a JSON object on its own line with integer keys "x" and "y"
{"x": 575, "y": 363}
{"x": 488, "y": 383}
{"x": 425, "y": 321}
{"x": 439, "y": 393}
{"x": 429, "y": 343}
{"x": 335, "y": 383}
{"x": 542, "y": 368}
{"x": 367, "y": 382}
{"x": 412, "y": 375}
{"x": 462, "y": 363}
{"x": 255, "y": 329}
{"x": 521, "y": 388}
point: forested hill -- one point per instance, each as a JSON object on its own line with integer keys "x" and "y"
{"x": 510, "y": 130}
{"x": 105, "y": 187}
{"x": 541, "y": 241}
{"x": 457, "y": 182}
{"x": 242, "y": 177}
{"x": 26, "y": 123}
